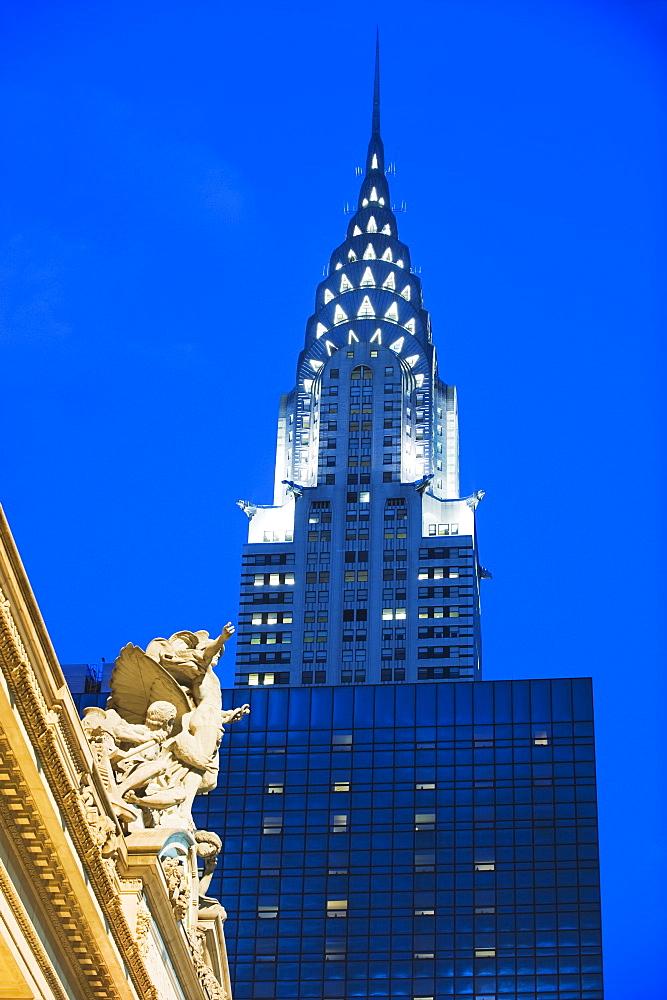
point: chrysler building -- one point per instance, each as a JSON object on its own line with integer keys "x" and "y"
{"x": 364, "y": 569}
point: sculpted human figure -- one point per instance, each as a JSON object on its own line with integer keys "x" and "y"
{"x": 163, "y": 724}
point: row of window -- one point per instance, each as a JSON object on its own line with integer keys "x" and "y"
{"x": 279, "y": 597}
{"x": 267, "y": 678}
{"x": 370, "y": 254}
{"x": 269, "y": 559}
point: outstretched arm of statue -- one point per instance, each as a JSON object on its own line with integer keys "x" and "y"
{"x": 217, "y": 646}
{"x": 230, "y": 715}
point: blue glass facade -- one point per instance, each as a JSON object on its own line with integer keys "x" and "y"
{"x": 414, "y": 840}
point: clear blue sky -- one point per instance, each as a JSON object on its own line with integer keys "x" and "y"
{"x": 172, "y": 184}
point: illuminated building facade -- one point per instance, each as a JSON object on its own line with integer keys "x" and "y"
{"x": 365, "y": 568}
{"x": 388, "y": 832}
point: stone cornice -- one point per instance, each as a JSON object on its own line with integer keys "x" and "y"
{"x": 55, "y": 735}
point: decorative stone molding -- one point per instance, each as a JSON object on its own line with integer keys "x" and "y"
{"x": 178, "y": 884}
{"x": 45, "y": 730}
{"x": 73, "y": 798}
{"x": 210, "y": 984}
{"x": 144, "y": 921}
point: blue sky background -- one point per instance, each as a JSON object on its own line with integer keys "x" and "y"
{"x": 172, "y": 185}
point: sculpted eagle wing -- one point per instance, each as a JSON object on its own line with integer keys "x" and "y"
{"x": 137, "y": 681}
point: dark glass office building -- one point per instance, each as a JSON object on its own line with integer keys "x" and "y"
{"x": 414, "y": 840}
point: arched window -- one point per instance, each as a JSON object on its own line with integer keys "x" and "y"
{"x": 362, "y": 371}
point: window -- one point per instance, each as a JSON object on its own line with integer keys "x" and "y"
{"x": 339, "y": 823}
{"x": 422, "y": 786}
{"x": 364, "y": 497}
{"x": 272, "y": 824}
{"x": 267, "y": 912}
{"x": 341, "y": 786}
{"x": 540, "y": 738}
{"x": 335, "y": 951}
{"x": 336, "y": 907}
{"x": 485, "y": 866}
{"x": 424, "y": 913}
{"x": 425, "y": 862}
{"x": 423, "y": 954}
{"x": 425, "y": 821}
{"x": 275, "y": 788}
{"x": 485, "y": 952}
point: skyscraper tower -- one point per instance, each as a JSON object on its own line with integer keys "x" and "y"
{"x": 385, "y": 833}
{"x": 365, "y": 568}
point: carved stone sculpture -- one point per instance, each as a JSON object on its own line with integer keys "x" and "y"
{"x": 156, "y": 744}
{"x": 210, "y": 984}
{"x": 178, "y": 885}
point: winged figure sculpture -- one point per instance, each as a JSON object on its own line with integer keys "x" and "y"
{"x": 157, "y": 742}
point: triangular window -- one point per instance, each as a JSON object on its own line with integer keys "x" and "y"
{"x": 366, "y": 310}
{"x": 374, "y": 195}
{"x": 352, "y": 337}
{"x": 321, "y": 328}
{"x": 372, "y": 226}
{"x": 316, "y": 364}
{"x": 412, "y": 360}
{"x": 391, "y": 313}
{"x": 369, "y": 253}
{"x": 386, "y": 230}
{"x": 368, "y": 278}
{"x": 397, "y": 346}
{"x": 330, "y": 347}
{"x": 345, "y": 285}
{"x": 328, "y": 295}
{"x": 377, "y": 337}
{"x": 374, "y": 162}
{"x": 338, "y": 266}
{"x": 406, "y": 293}
{"x": 387, "y": 255}
{"x": 364, "y": 203}
{"x": 351, "y": 255}
{"x": 356, "y": 231}
{"x": 339, "y": 315}
{"x": 410, "y": 326}
{"x": 399, "y": 263}
{"x": 389, "y": 281}
{"x": 381, "y": 201}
